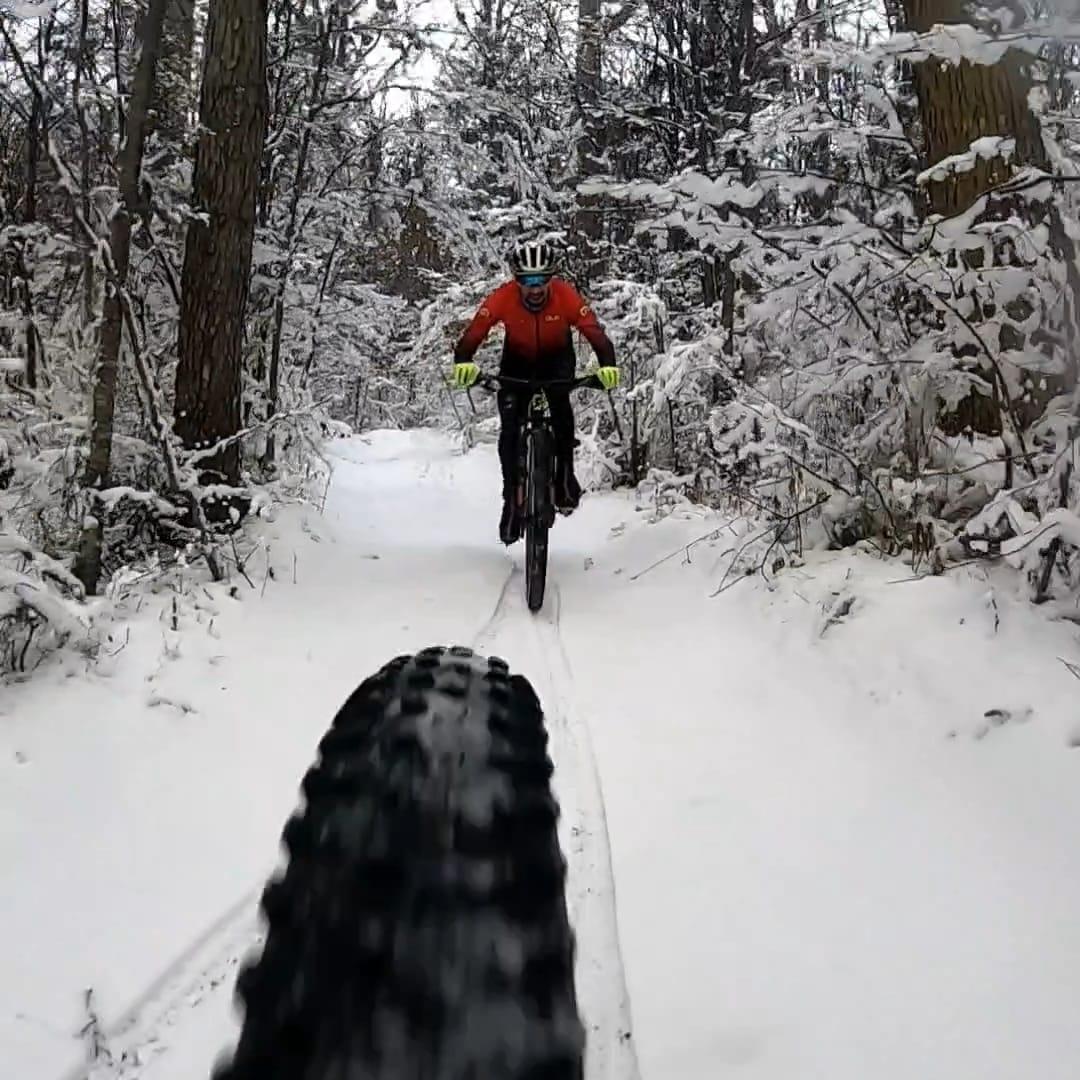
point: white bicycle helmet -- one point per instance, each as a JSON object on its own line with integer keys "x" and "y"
{"x": 533, "y": 257}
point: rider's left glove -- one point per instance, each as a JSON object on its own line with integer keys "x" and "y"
{"x": 608, "y": 376}
{"x": 465, "y": 375}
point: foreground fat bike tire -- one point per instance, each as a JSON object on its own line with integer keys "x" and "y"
{"x": 420, "y": 930}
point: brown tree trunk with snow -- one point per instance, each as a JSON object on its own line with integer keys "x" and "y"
{"x": 175, "y": 91}
{"x": 589, "y": 223}
{"x": 960, "y": 103}
{"x": 129, "y": 168}
{"x": 217, "y": 258}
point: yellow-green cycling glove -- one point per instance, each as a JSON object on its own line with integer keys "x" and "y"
{"x": 465, "y": 375}
{"x": 608, "y": 376}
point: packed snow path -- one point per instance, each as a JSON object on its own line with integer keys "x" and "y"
{"x": 830, "y": 861}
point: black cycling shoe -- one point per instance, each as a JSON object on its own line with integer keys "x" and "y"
{"x": 509, "y": 523}
{"x": 567, "y": 493}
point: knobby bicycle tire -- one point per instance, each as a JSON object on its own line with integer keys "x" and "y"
{"x": 537, "y": 521}
{"x": 420, "y": 931}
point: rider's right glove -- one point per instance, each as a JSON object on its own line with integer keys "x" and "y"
{"x": 608, "y": 376}
{"x": 465, "y": 375}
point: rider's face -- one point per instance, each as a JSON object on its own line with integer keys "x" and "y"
{"x": 534, "y": 288}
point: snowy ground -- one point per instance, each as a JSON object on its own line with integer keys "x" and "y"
{"x": 831, "y": 862}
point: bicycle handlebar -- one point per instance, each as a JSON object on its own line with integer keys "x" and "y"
{"x": 494, "y": 382}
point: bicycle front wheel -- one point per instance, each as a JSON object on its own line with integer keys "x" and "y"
{"x": 420, "y": 929}
{"x": 537, "y": 521}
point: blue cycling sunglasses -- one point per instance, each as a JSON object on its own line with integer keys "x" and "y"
{"x": 533, "y": 281}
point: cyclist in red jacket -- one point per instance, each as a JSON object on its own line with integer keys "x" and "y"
{"x": 537, "y": 311}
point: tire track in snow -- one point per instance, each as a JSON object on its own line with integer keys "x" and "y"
{"x": 135, "y": 1040}
{"x": 536, "y": 649}
{"x": 602, "y": 979}
{"x": 138, "y": 1039}
{"x": 486, "y": 634}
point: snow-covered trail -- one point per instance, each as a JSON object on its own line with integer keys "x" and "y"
{"x": 829, "y": 862}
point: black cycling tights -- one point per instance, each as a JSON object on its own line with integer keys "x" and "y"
{"x": 512, "y": 409}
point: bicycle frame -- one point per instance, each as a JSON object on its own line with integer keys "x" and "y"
{"x": 534, "y": 494}
{"x": 537, "y": 416}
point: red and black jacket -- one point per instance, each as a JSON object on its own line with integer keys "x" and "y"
{"x": 539, "y": 338}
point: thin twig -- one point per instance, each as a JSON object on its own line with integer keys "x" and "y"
{"x": 713, "y": 534}
{"x": 777, "y": 524}
{"x": 190, "y": 457}
{"x": 241, "y": 563}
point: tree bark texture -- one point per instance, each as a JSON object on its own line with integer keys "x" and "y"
{"x": 217, "y": 258}
{"x": 589, "y": 224}
{"x": 174, "y": 91}
{"x": 960, "y": 103}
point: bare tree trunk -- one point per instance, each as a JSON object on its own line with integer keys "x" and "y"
{"x": 217, "y": 259}
{"x": 959, "y": 103}
{"x": 36, "y": 133}
{"x": 282, "y": 39}
{"x": 174, "y": 91}
{"x": 33, "y": 156}
{"x": 81, "y": 58}
{"x": 589, "y": 224}
{"x": 116, "y": 11}
{"x": 317, "y": 89}
{"x": 88, "y": 562}
{"x": 310, "y": 362}
{"x": 33, "y": 362}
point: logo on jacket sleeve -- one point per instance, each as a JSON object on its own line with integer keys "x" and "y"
{"x": 485, "y": 312}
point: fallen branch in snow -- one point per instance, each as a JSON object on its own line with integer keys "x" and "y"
{"x": 944, "y": 569}
{"x": 777, "y": 527}
{"x": 92, "y": 1032}
{"x": 1073, "y": 668}
{"x": 241, "y": 563}
{"x": 1060, "y": 526}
